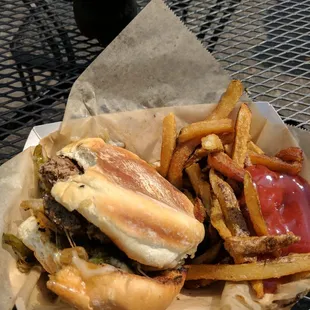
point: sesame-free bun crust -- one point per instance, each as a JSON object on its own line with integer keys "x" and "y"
{"x": 116, "y": 290}
{"x": 141, "y": 212}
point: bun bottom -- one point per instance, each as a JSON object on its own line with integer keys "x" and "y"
{"x": 115, "y": 290}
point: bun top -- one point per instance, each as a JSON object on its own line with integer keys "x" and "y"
{"x": 141, "y": 212}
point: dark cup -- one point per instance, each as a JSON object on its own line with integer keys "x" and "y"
{"x": 103, "y": 19}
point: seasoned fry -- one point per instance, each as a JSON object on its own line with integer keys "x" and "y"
{"x": 253, "y": 205}
{"x": 199, "y": 210}
{"x": 201, "y": 187}
{"x": 188, "y": 194}
{"x": 196, "y": 156}
{"x": 229, "y": 205}
{"x": 169, "y": 138}
{"x": 258, "y": 222}
{"x": 227, "y": 138}
{"x": 228, "y": 101}
{"x": 209, "y": 256}
{"x": 253, "y": 246}
{"x": 291, "y": 154}
{"x": 275, "y": 163}
{"x": 277, "y": 268}
{"x": 224, "y": 164}
{"x": 228, "y": 149}
{"x": 247, "y": 161}
{"x": 194, "y": 174}
{"x": 212, "y": 143}
{"x": 258, "y": 288}
{"x": 205, "y": 194}
{"x": 242, "y": 135}
{"x": 204, "y": 128}
{"x": 217, "y": 219}
{"x": 254, "y": 148}
{"x": 235, "y": 186}
{"x": 181, "y": 154}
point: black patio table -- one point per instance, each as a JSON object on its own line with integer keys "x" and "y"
{"x": 266, "y": 44}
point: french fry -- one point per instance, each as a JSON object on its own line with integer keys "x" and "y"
{"x": 291, "y": 154}
{"x": 199, "y": 210}
{"x": 258, "y": 222}
{"x": 194, "y": 174}
{"x": 217, "y": 219}
{"x": 208, "y": 256}
{"x": 275, "y": 163}
{"x": 224, "y": 164}
{"x": 253, "y": 246}
{"x": 242, "y": 134}
{"x": 204, "y": 128}
{"x": 253, "y": 205}
{"x": 277, "y": 268}
{"x": 228, "y": 101}
{"x": 247, "y": 161}
{"x": 201, "y": 187}
{"x": 228, "y": 149}
{"x": 180, "y": 156}
{"x": 258, "y": 288}
{"x": 186, "y": 183}
{"x": 227, "y": 138}
{"x": 229, "y": 205}
{"x": 196, "y": 156}
{"x": 169, "y": 138}
{"x": 212, "y": 143}
{"x": 254, "y": 148}
{"x": 189, "y": 195}
{"x": 235, "y": 186}
{"x": 205, "y": 194}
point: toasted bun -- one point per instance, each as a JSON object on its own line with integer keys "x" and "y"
{"x": 141, "y": 212}
{"x": 115, "y": 290}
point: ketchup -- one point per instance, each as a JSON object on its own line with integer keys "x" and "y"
{"x": 285, "y": 205}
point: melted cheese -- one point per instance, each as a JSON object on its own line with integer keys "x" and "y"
{"x": 87, "y": 272}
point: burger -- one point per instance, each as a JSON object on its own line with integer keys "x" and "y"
{"x": 111, "y": 232}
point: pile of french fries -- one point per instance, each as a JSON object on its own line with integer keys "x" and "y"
{"x": 207, "y": 161}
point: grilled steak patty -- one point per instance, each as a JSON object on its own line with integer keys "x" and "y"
{"x": 57, "y": 168}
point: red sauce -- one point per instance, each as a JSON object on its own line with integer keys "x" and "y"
{"x": 285, "y": 204}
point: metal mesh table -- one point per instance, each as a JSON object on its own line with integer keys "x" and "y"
{"x": 264, "y": 43}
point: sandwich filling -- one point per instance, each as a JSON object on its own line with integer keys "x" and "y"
{"x": 71, "y": 227}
